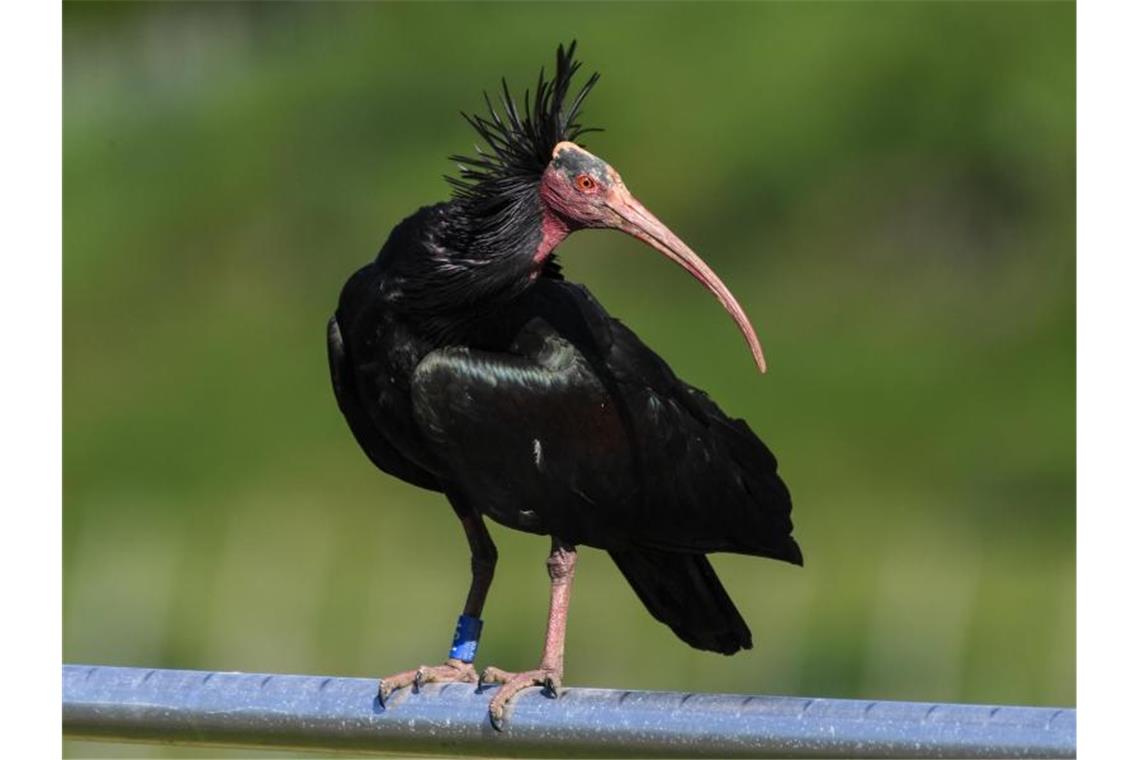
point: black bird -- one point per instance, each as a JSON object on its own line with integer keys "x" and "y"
{"x": 465, "y": 363}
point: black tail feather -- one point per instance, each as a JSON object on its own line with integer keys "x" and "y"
{"x": 683, "y": 592}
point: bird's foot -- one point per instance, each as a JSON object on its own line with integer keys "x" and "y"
{"x": 451, "y": 671}
{"x": 513, "y": 683}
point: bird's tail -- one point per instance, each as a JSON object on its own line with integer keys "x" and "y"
{"x": 683, "y": 592}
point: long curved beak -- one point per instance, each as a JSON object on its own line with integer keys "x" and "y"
{"x": 638, "y": 222}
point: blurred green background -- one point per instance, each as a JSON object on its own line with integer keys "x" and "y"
{"x": 888, "y": 189}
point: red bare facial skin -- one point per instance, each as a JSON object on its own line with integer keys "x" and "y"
{"x": 581, "y": 190}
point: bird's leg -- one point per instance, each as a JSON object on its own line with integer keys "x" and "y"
{"x": 560, "y": 566}
{"x": 458, "y": 665}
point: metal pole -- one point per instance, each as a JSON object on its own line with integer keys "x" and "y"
{"x": 325, "y": 713}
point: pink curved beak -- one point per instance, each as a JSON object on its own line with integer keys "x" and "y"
{"x": 638, "y": 222}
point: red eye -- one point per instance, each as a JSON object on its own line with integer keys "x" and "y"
{"x": 585, "y": 183}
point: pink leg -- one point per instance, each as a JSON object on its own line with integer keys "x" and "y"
{"x": 560, "y": 566}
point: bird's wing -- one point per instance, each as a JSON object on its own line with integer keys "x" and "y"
{"x": 529, "y": 435}
{"x": 375, "y": 445}
{"x": 711, "y": 484}
{"x": 584, "y": 425}
{"x": 708, "y": 482}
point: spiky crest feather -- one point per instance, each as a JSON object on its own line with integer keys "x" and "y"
{"x": 520, "y": 141}
{"x": 478, "y": 251}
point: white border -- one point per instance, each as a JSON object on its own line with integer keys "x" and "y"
{"x": 31, "y": 319}
{"x": 1108, "y": 455}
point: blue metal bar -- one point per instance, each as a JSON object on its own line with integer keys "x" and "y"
{"x": 325, "y": 713}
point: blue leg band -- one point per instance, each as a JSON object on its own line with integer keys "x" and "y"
{"x": 466, "y": 641}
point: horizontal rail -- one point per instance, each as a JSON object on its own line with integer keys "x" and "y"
{"x": 342, "y": 714}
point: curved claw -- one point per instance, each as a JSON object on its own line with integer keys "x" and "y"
{"x": 496, "y": 717}
{"x": 512, "y": 684}
{"x": 382, "y": 694}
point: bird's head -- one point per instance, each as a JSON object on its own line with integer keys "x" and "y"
{"x": 536, "y": 148}
{"x": 586, "y": 192}
{"x": 582, "y": 189}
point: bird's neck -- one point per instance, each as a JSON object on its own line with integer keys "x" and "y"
{"x": 502, "y": 238}
{"x": 456, "y": 263}
{"x": 554, "y": 231}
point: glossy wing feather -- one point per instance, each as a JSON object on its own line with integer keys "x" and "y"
{"x": 530, "y": 436}
{"x": 353, "y": 405}
{"x": 715, "y": 485}
{"x": 580, "y": 430}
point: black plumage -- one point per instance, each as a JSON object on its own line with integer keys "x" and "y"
{"x": 520, "y": 140}
{"x": 464, "y": 363}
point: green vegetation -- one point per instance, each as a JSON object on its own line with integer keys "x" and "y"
{"x": 889, "y": 190}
